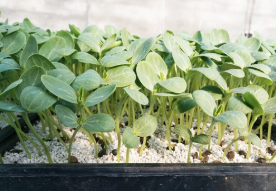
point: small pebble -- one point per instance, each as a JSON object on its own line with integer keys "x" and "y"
{"x": 205, "y": 159}
{"x": 216, "y": 161}
{"x": 73, "y": 159}
{"x": 206, "y": 153}
{"x": 270, "y": 150}
{"x": 241, "y": 152}
{"x": 261, "y": 160}
{"x": 102, "y": 153}
{"x": 230, "y": 155}
{"x": 16, "y": 151}
{"x": 242, "y": 139}
{"x": 222, "y": 143}
{"x": 114, "y": 152}
{"x": 195, "y": 156}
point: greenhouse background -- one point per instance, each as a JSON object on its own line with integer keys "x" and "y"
{"x": 148, "y": 18}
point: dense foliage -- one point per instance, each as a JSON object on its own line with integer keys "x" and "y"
{"x": 91, "y": 78}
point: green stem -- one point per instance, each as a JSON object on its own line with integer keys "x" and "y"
{"x": 42, "y": 122}
{"x": 88, "y": 135}
{"x": 26, "y": 118}
{"x": 168, "y": 129}
{"x": 269, "y": 129}
{"x": 228, "y": 146}
{"x": 235, "y": 137}
{"x": 95, "y": 145}
{"x": 254, "y": 118}
{"x": 127, "y": 155}
{"x": 104, "y": 140}
{"x": 273, "y": 156}
{"x": 189, "y": 152}
{"x": 143, "y": 146}
{"x": 211, "y": 128}
{"x": 71, "y": 142}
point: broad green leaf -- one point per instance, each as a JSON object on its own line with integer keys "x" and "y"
{"x": 142, "y": 50}
{"x": 13, "y": 42}
{"x": 31, "y": 77}
{"x": 41, "y": 61}
{"x": 65, "y": 51}
{"x": 181, "y": 59}
{"x": 253, "y": 44}
{"x": 75, "y": 30}
{"x": 66, "y": 116}
{"x": 129, "y": 139}
{"x": 215, "y": 91}
{"x": 236, "y": 119}
{"x": 236, "y": 103}
{"x": 29, "y": 49}
{"x": 262, "y": 67}
{"x": 137, "y": 96}
{"x": 262, "y": 78}
{"x": 209, "y": 73}
{"x": 145, "y": 126}
{"x": 168, "y": 40}
{"x": 110, "y": 30}
{"x": 10, "y": 87}
{"x": 241, "y": 90}
{"x": 93, "y": 29}
{"x": 219, "y": 79}
{"x": 121, "y": 76}
{"x": 125, "y": 38}
{"x": 111, "y": 61}
{"x": 175, "y": 84}
{"x": 254, "y": 139}
{"x": 210, "y": 55}
{"x": 71, "y": 106}
{"x": 184, "y": 45}
{"x": 259, "y": 56}
{"x": 28, "y": 25}
{"x": 183, "y": 131}
{"x": 260, "y": 93}
{"x": 147, "y": 75}
{"x": 40, "y": 38}
{"x": 59, "y": 65}
{"x": 48, "y": 48}
{"x": 10, "y": 107}
{"x": 59, "y": 88}
{"x": 157, "y": 63}
{"x": 115, "y": 50}
{"x": 272, "y": 76}
{"x": 181, "y": 105}
{"x": 8, "y": 64}
{"x": 92, "y": 41}
{"x": 3, "y": 55}
{"x": 201, "y": 139}
{"x": 99, "y": 95}
{"x": 99, "y": 123}
{"x": 230, "y": 47}
{"x": 251, "y": 100}
{"x": 136, "y": 44}
{"x": 245, "y": 55}
{"x": 64, "y": 75}
{"x": 85, "y": 58}
{"x": 270, "y": 106}
{"x": 218, "y": 36}
{"x": 235, "y": 72}
{"x": 205, "y": 101}
{"x": 124, "y": 54}
{"x": 31, "y": 99}
{"x": 108, "y": 44}
{"x": 69, "y": 42}
{"x": 89, "y": 80}
{"x": 238, "y": 60}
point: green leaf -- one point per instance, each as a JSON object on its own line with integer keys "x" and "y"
{"x": 184, "y": 45}
{"x": 126, "y": 55}
{"x": 111, "y": 61}
{"x": 230, "y": 47}
{"x": 270, "y": 106}
{"x": 75, "y": 30}
{"x": 210, "y": 55}
{"x": 8, "y": 64}
{"x": 142, "y": 50}
{"x": 115, "y": 50}
{"x": 10, "y": 87}
{"x": 147, "y": 75}
{"x": 108, "y": 44}
{"x": 129, "y": 139}
{"x": 157, "y": 63}
{"x": 121, "y": 76}
{"x": 201, "y": 139}
{"x": 262, "y": 67}
{"x": 236, "y": 103}
{"x": 48, "y": 48}
{"x": 183, "y": 104}
{"x": 168, "y": 40}
{"x": 254, "y": 139}
{"x": 235, "y": 72}
{"x": 238, "y": 61}
{"x": 89, "y": 80}
{"x": 125, "y": 38}
{"x": 41, "y": 61}
{"x": 245, "y": 56}
{"x": 145, "y": 126}
{"x": 181, "y": 59}
{"x": 65, "y": 51}
{"x": 31, "y": 97}
{"x": 205, "y": 101}
{"x": 236, "y": 119}
{"x": 66, "y": 116}
{"x": 59, "y": 65}
{"x": 28, "y": 25}
{"x": 29, "y": 49}
{"x": 59, "y": 88}
{"x": 253, "y": 44}
{"x": 99, "y": 123}
{"x": 251, "y": 100}
{"x": 215, "y": 91}
{"x": 209, "y": 73}
{"x": 67, "y": 104}
{"x": 31, "y": 77}
{"x": 175, "y": 84}
{"x": 171, "y": 94}
{"x": 260, "y": 93}
{"x": 85, "y": 58}
{"x": 218, "y": 36}
{"x": 13, "y": 42}
{"x": 64, "y": 75}
{"x": 69, "y": 42}
{"x": 99, "y": 95}
{"x": 241, "y": 90}
{"x": 259, "y": 56}
{"x": 137, "y": 96}
{"x": 92, "y": 41}
{"x": 10, "y": 107}
{"x": 183, "y": 131}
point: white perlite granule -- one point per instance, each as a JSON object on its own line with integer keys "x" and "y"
{"x": 156, "y": 153}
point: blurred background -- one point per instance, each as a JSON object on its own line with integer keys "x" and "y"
{"x": 147, "y": 18}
